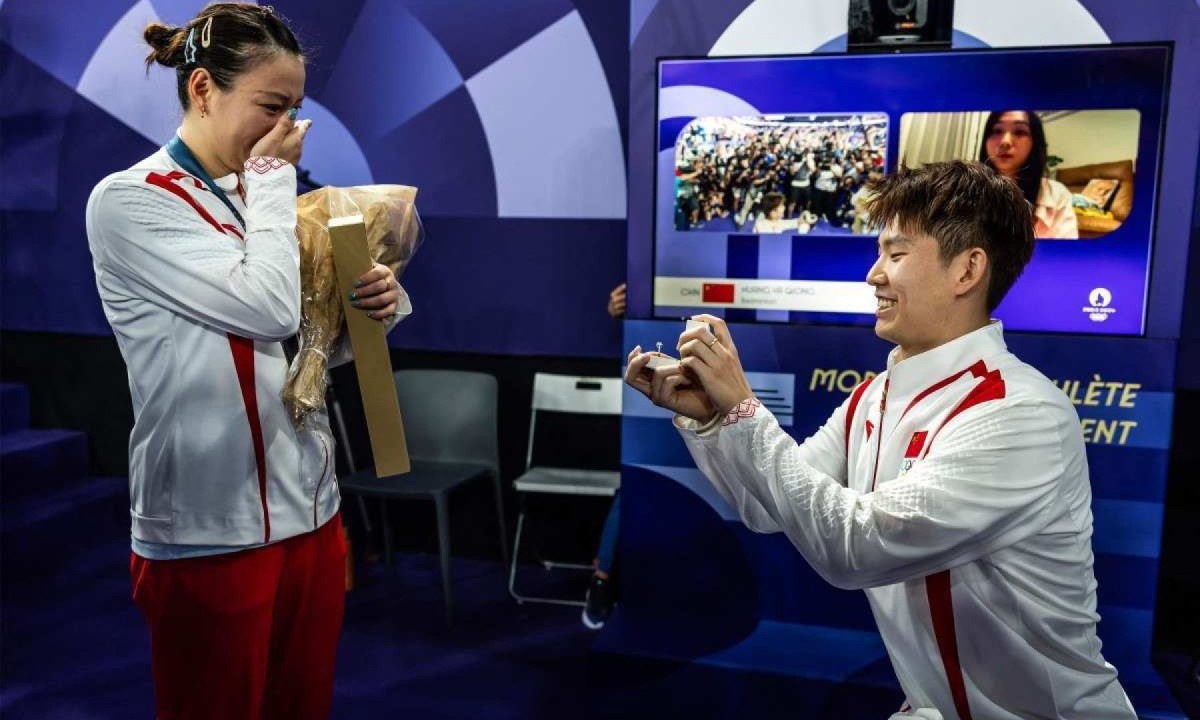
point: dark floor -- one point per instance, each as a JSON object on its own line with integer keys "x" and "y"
{"x": 74, "y": 646}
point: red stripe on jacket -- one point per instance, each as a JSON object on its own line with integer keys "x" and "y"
{"x": 855, "y": 398}
{"x": 941, "y": 610}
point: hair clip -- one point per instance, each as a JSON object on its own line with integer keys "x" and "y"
{"x": 206, "y": 33}
{"x": 189, "y": 48}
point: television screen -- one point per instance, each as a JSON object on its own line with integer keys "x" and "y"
{"x": 763, "y": 171}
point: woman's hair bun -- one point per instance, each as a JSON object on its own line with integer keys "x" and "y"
{"x": 166, "y": 44}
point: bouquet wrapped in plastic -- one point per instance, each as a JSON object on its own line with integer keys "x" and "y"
{"x": 393, "y": 236}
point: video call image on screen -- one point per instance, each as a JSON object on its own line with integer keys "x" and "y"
{"x": 1082, "y": 184}
{"x": 763, "y": 170}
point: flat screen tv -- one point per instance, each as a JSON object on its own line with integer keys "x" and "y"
{"x": 763, "y": 162}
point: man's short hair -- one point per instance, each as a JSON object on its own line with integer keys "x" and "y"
{"x": 961, "y": 205}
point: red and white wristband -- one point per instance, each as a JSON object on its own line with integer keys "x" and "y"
{"x": 745, "y": 409}
{"x": 262, "y": 164}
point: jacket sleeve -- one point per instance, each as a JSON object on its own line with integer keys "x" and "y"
{"x": 164, "y": 249}
{"x": 990, "y": 479}
{"x": 824, "y": 452}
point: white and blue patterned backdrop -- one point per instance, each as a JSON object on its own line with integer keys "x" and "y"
{"x": 510, "y": 118}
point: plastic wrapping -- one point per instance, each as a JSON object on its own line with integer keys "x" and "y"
{"x": 393, "y": 235}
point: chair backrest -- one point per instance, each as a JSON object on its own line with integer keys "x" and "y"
{"x": 449, "y": 415}
{"x": 576, "y": 394}
{"x": 572, "y": 394}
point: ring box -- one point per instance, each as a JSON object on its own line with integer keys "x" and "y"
{"x": 659, "y": 361}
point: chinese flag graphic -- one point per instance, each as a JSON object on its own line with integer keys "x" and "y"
{"x": 717, "y": 292}
{"x": 916, "y": 444}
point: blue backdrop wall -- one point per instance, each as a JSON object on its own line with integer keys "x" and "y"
{"x": 509, "y": 117}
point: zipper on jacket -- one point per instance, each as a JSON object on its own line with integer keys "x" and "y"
{"x": 324, "y": 472}
{"x": 879, "y": 434}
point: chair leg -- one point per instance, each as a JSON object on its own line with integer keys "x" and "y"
{"x": 512, "y": 571}
{"x": 362, "y": 509}
{"x": 516, "y": 553}
{"x": 500, "y": 517}
{"x": 387, "y": 531}
{"x": 440, "y": 501}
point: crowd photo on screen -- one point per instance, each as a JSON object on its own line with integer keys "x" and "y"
{"x": 778, "y": 173}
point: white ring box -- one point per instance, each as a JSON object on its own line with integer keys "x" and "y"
{"x": 660, "y": 360}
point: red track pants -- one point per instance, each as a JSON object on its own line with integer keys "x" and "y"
{"x": 249, "y": 635}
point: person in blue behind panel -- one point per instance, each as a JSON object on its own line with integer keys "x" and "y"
{"x": 601, "y": 594}
{"x": 953, "y": 487}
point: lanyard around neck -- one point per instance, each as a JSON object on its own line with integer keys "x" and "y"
{"x": 183, "y": 156}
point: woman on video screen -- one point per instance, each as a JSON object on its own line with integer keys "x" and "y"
{"x": 1014, "y": 145}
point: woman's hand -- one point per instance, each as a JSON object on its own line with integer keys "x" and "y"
{"x": 668, "y": 387}
{"x": 712, "y": 360}
{"x": 285, "y": 141}
{"x": 378, "y": 293}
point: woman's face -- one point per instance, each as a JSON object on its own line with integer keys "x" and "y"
{"x": 241, "y": 116}
{"x": 1009, "y": 142}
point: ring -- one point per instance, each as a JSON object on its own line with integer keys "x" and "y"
{"x": 714, "y": 342}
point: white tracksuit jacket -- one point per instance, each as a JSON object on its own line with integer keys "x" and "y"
{"x": 954, "y": 489}
{"x": 199, "y": 307}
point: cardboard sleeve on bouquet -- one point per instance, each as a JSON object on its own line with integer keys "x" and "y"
{"x": 368, "y": 339}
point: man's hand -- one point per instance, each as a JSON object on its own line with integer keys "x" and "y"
{"x": 668, "y": 387}
{"x": 711, "y": 359}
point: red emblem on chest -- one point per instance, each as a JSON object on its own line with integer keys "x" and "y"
{"x": 916, "y": 444}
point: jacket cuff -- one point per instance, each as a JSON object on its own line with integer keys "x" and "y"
{"x": 702, "y": 429}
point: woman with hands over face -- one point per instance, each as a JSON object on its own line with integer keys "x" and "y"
{"x": 238, "y": 559}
